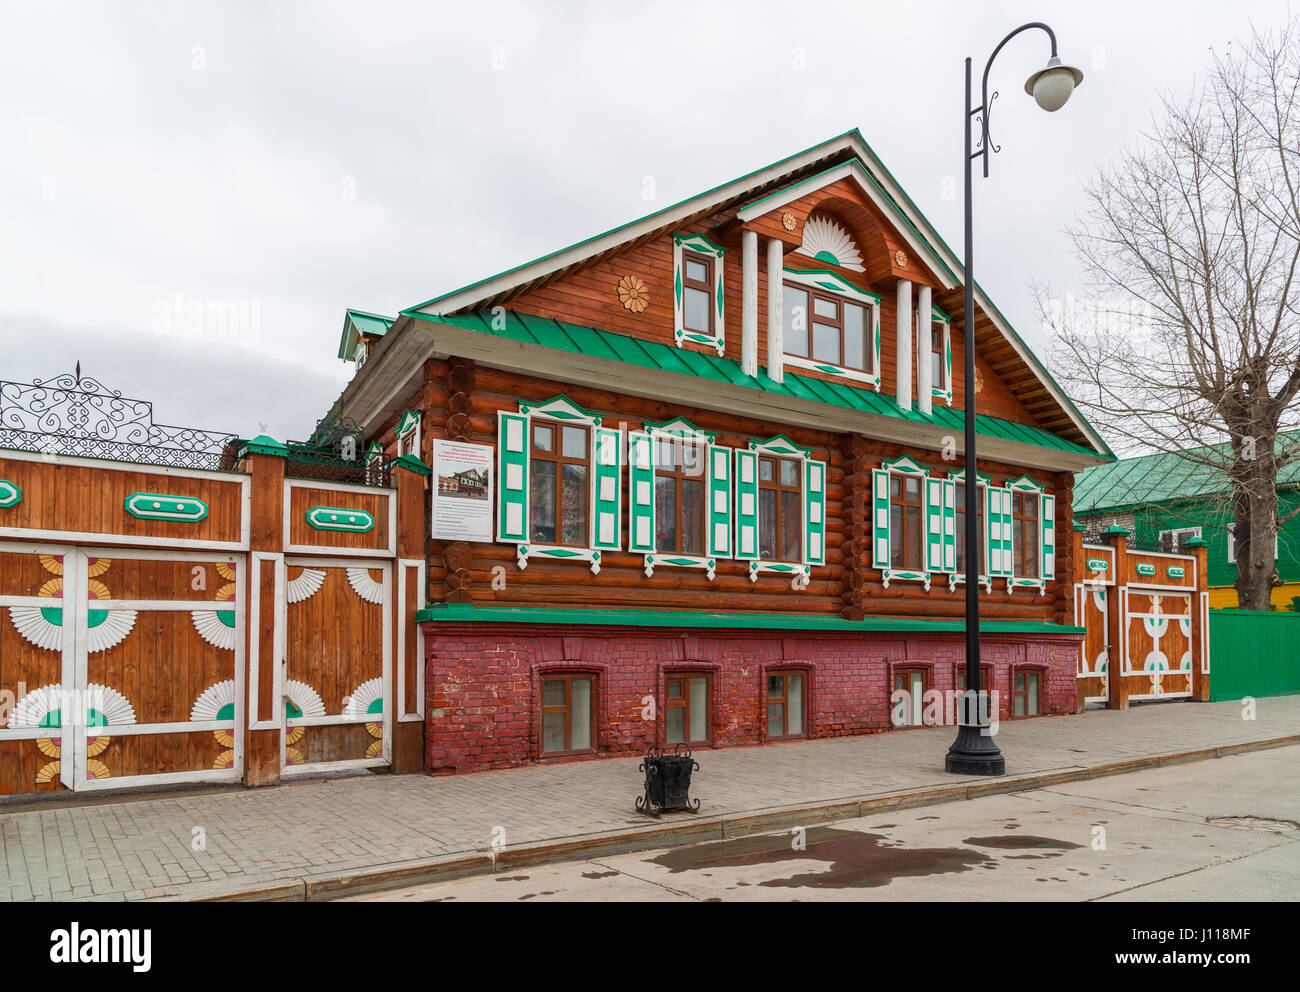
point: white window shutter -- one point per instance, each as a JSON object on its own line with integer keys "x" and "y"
{"x": 512, "y": 477}
{"x": 641, "y": 493}
{"x": 814, "y": 512}
{"x": 746, "y": 486}
{"x": 718, "y": 513}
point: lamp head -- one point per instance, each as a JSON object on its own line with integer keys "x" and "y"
{"x": 1052, "y": 86}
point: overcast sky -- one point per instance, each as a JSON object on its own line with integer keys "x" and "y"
{"x": 277, "y": 162}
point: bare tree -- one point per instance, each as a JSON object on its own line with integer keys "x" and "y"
{"x": 1191, "y": 241}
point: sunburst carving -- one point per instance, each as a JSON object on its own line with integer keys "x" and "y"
{"x": 827, "y": 241}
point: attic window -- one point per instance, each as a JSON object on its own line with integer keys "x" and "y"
{"x": 697, "y": 292}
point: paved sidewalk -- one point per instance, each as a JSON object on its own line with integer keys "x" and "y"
{"x": 306, "y": 834}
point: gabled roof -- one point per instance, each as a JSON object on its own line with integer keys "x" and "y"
{"x": 1163, "y": 477}
{"x": 660, "y": 357}
{"x": 357, "y": 323}
{"x": 850, "y": 154}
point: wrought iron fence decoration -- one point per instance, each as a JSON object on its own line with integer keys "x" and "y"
{"x": 72, "y": 414}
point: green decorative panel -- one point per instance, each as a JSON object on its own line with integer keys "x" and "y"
{"x": 163, "y": 506}
{"x": 880, "y": 518}
{"x": 10, "y": 495}
{"x": 512, "y": 473}
{"x": 1146, "y": 568}
{"x": 340, "y": 518}
{"x": 1175, "y": 571}
{"x": 1098, "y": 565}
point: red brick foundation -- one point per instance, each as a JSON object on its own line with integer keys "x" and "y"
{"x": 483, "y": 682}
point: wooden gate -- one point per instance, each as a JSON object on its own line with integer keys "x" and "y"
{"x": 125, "y": 667}
{"x": 1146, "y": 620}
{"x": 337, "y": 687}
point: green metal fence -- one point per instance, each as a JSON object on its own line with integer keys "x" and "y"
{"x": 1253, "y": 653}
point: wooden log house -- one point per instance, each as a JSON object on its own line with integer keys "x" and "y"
{"x": 727, "y": 492}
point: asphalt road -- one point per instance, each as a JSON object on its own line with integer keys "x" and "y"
{"x": 1219, "y": 830}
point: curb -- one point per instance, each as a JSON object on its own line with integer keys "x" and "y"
{"x": 321, "y": 888}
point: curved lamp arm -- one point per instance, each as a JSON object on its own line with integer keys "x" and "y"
{"x": 984, "y": 109}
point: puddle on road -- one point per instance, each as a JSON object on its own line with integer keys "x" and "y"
{"x": 857, "y": 859}
{"x": 1020, "y": 842}
{"x": 599, "y": 874}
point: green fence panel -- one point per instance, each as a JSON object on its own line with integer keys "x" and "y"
{"x": 1253, "y": 653}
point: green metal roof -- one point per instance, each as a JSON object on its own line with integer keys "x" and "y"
{"x": 1163, "y": 477}
{"x": 358, "y": 322}
{"x": 660, "y": 357}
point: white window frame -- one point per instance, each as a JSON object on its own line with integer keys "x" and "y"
{"x": 800, "y": 572}
{"x": 905, "y": 466}
{"x": 982, "y": 483}
{"x": 700, "y": 245}
{"x": 1024, "y": 484}
{"x": 833, "y": 284}
{"x": 944, "y": 391}
{"x": 682, "y": 431}
{"x": 562, "y": 412}
{"x": 406, "y": 427}
{"x": 1232, "y": 542}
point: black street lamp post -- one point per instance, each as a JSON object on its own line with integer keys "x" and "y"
{"x": 974, "y": 751}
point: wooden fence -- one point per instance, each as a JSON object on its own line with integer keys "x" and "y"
{"x": 1256, "y": 653}
{"x": 165, "y": 624}
{"x": 1146, "y": 616}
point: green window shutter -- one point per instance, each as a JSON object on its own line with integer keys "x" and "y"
{"x": 814, "y": 512}
{"x": 605, "y": 497}
{"x": 746, "y": 505}
{"x": 933, "y": 525}
{"x": 718, "y": 513}
{"x": 949, "y": 525}
{"x": 512, "y": 475}
{"x": 641, "y": 497}
{"x": 880, "y": 518}
{"x": 947, "y": 360}
{"x": 1049, "y": 538}
{"x": 998, "y": 513}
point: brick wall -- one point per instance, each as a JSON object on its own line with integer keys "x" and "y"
{"x": 483, "y": 682}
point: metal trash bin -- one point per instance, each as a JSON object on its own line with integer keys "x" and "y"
{"x": 667, "y": 781}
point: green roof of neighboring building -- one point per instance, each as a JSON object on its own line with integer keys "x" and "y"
{"x": 663, "y": 357}
{"x": 358, "y": 322}
{"x": 1160, "y": 478}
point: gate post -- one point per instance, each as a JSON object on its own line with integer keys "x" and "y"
{"x": 264, "y": 459}
{"x": 1116, "y": 627}
{"x": 1078, "y": 579}
{"x": 409, "y": 477}
{"x": 1199, "y": 547}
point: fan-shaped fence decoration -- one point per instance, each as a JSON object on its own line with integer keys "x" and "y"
{"x": 367, "y": 700}
{"x": 226, "y": 759}
{"x": 216, "y": 702}
{"x": 375, "y": 749}
{"x": 97, "y": 769}
{"x": 633, "y": 294}
{"x": 305, "y": 585}
{"x": 365, "y": 585}
{"x": 217, "y": 627}
{"x": 296, "y": 734}
{"x": 43, "y": 625}
{"x": 47, "y": 773}
{"x": 303, "y": 701}
{"x": 292, "y": 756}
{"x": 827, "y": 241}
{"x": 106, "y": 707}
{"x": 39, "y": 708}
{"x": 94, "y": 566}
{"x": 226, "y": 570}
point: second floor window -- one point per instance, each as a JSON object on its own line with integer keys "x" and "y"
{"x": 559, "y": 487}
{"x": 905, "y": 514}
{"x": 1024, "y": 535}
{"x": 780, "y": 515}
{"x": 825, "y": 328}
{"x": 697, "y": 293}
{"x": 679, "y": 497}
{"x": 961, "y": 528}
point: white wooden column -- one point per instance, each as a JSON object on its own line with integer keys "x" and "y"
{"x": 775, "y": 310}
{"x": 924, "y": 328}
{"x": 749, "y": 303}
{"x": 903, "y": 351}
